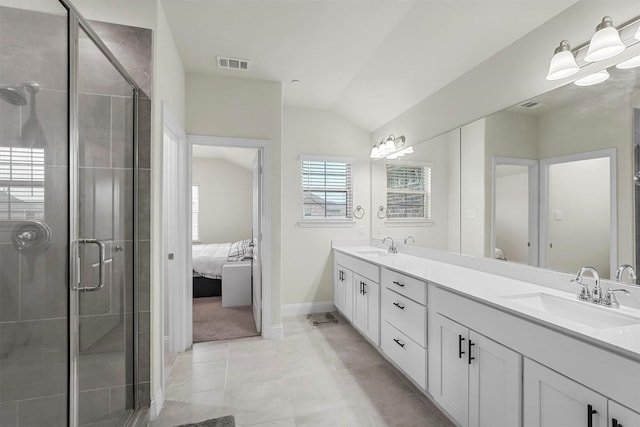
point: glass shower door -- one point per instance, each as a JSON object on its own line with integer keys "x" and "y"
{"x": 104, "y": 241}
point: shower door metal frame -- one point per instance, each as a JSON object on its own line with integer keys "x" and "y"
{"x": 75, "y": 22}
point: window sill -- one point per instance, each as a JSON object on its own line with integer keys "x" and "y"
{"x": 408, "y": 222}
{"x": 326, "y": 223}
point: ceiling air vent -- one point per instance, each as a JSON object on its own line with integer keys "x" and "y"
{"x": 530, "y": 104}
{"x": 233, "y": 63}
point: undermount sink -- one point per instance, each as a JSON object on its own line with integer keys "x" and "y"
{"x": 578, "y": 311}
{"x": 374, "y": 253}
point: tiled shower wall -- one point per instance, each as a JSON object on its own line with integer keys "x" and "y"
{"x": 34, "y": 284}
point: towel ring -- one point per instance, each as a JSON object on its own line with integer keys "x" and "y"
{"x": 356, "y": 210}
{"x": 382, "y": 212}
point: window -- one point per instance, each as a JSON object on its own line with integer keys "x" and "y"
{"x": 21, "y": 183}
{"x": 408, "y": 192}
{"x": 326, "y": 188}
{"x": 195, "y": 210}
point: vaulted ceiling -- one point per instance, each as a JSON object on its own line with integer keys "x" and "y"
{"x": 366, "y": 60}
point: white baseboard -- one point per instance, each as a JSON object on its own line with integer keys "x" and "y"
{"x": 276, "y": 332}
{"x": 307, "y": 308}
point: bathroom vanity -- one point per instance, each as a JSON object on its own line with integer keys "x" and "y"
{"x": 491, "y": 350}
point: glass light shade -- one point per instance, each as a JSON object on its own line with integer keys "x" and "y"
{"x": 629, "y": 63}
{"x": 604, "y": 44}
{"x": 389, "y": 144}
{"x": 593, "y": 79}
{"x": 375, "y": 152}
{"x": 563, "y": 64}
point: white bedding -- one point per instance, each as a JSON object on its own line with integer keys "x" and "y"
{"x": 209, "y": 259}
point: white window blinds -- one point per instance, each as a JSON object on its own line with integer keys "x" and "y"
{"x": 195, "y": 210}
{"x": 408, "y": 192}
{"x": 326, "y": 189}
{"x": 21, "y": 183}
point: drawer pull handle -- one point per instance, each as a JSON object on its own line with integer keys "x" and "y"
{"x": 590, "y": 412}
{"x": 395, "y": 282}
{"x": 400, "y": 343}
{"x": 460, "y": 350}
{"x": 400, "y": 306}
{"x": 615, "y": 423}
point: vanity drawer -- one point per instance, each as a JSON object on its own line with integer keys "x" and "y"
{"x": 405, "y": 285}
{"x": 406, "y": 315}
{"x": 405, "y": 353}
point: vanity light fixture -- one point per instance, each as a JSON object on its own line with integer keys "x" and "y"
{"x": 605, "y": 43}
{"x": 387, "y": 147}
{"x": 593, "y": 79}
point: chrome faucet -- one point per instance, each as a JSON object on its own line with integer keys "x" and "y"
{"x": 610, "y": 298}
{"x": 596, "y": 295}
{"x": 621, "y": 270}
{"x": 392, "y": 248}
{"x": 406, "y": 239}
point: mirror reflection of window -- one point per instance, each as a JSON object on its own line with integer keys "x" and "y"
{"x": 408, "y": 191}
{"x": 21, "y": 183}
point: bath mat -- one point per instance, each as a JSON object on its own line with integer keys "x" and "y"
{"x": 227, "y": 421}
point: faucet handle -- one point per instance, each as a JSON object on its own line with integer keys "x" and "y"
{"x": 610, "y": 299}
{"x": 585, "y": 294}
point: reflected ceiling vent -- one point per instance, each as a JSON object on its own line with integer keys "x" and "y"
{"x": 530, "y": 104}
{"x": 233, "y": 63}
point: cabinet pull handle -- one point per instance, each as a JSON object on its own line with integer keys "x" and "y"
{"x": 395, "y": 282}
{"x": 364, "y": 288}
{"x": 460, "y": 350}
{"x": 471, "y": 344}
{"x": 361, "y": 287}
{"x": 400, "y": 343}
{"x": 400, "y": 306}
{"x": 590, "y": 412}
{"x": 615, "y": 423}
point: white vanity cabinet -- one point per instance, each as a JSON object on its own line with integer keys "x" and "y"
{"x": 476, "y": 380}
{"x": 357, "y": 294}
{"x": 403, "y": 321}
{"x": 551, "y": 399}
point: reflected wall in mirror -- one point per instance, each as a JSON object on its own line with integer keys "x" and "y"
{"x": 418, "y": 195}
{"x": 581, "y": 139}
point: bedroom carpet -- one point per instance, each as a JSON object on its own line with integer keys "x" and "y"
{"x": 213, "y": 322}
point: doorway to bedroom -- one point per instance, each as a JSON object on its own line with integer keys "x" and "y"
{"x": 225, "y": 218}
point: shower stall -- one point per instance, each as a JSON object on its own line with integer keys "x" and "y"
{"x": 74, "y": 223}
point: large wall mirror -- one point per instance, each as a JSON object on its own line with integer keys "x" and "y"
{"x": 548, "y": 182}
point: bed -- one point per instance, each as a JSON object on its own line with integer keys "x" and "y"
{"x": 209, "y": 261}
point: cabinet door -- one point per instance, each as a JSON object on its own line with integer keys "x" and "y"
{"x": 343, "y": 291}
{"x": 495, "y": 384}
{"x": 366, "y": 307}
{"x": 448, "y": 367}
{"x": 553, "y": 400}
{"x": 620, "y": 416}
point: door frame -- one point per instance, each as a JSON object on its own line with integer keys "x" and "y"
{"x": 264, "y": 146}
{"x": 534, "y": 202}
{"x": 613, "y": 195}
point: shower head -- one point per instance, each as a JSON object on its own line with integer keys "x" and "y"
{"x": 15, "y": 95}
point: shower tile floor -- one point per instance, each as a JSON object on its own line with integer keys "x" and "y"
{"x": 315, "y": 376}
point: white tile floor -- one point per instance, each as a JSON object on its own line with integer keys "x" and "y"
{"x": 315, "y": 376}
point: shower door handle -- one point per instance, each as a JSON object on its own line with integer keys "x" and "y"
{"x": 101, "y": 266}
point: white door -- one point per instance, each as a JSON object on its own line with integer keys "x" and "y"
{"x": 339, "y": 294}
{"x": 366, "y": 307}
{"x": 552, "y": 400}
{"x": 257, "y": 242}
{"x": 495, "y": 381}
{"x": 171, "y": 239}
{"x": 448, "y": 368}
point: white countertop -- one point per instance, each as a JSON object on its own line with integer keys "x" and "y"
{"x": 491, "y": 289}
